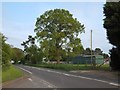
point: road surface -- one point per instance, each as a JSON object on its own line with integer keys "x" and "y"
{"x": 48, "y": 78}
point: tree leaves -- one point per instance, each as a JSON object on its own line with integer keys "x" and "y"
{"x": 55, "y": 29}
{"x": 112, "y": 25}
{"x": 112, "y": 22}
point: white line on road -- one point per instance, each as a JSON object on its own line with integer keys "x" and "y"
{"x": 50, "y": 86}
{"x": 30, "y": 79}
{"x": 67, "y": 74}
{"x": 25, "y": 70}
{"x": 101, "y": 81}
{"x": 111, "y": 83}
{"x": 115, "y": 84}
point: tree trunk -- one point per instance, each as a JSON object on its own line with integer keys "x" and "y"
{"x": 58, "y": 56}
{"x": 58, "y": 61}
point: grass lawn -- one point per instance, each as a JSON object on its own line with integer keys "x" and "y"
{"x": 69, "y": 67}
{"x": 11, "y": 74}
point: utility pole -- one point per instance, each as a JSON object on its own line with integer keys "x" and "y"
{"x": 91, "y": 45}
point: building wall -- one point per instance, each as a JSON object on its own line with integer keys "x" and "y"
{"x": 98, "y": 59}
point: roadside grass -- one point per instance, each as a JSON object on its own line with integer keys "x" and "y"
{"x": 11, "y": 73}
{"x": 104, "y": 67}
{"x": 69, "y": 67}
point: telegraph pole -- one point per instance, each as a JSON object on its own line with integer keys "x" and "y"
{"x": 91, "y": 45}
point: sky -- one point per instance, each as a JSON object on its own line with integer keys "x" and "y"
{"x": 18, "y": 21}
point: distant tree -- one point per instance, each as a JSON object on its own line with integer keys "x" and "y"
{"x": 29, "y": 42}
{"x": 87, "y": 51}
{"x": 112, "y": 25}
{"x": 57, "y": 30}
{"x": 17, "y": 55}
{"x": 98, "y": 51}
{"x": 105, "y": 55}
{"x": 33, "y": 54}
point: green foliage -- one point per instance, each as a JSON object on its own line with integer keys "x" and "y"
{"x": 112, "y": 22}
{"x": 11, "y": 73}
{"x": 69, "y": 67}
{"x": 98, "y": 51}
{"x": 87, "y": 51}
{"x": 105, "y": 55}
{"x": 9, "y": 53}
{"x": 33, "y": 54}
{"x": 112, "y": 25}
{"x": 6, "y": 52}
{"x": 17, "y": 55}
{"x": 115, "y": 59}
{"x": 57, "y": 31}
{"x": 66, "y": 67}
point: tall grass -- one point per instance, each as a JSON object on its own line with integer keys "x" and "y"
{"x": 11, "y": 73}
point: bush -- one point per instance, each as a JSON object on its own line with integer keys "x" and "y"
{"x": 115, "y": 59}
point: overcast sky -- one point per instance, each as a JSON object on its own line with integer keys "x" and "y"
{"x": 18, "y": 20}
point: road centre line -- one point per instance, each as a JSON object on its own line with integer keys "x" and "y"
{"x": 111, "y": 83}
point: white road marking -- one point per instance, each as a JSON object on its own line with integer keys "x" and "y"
{"x": 66, "y": 74}
{"x": 115, "y": 84}
{"x": 48, "y": 70}
{"x": 25, "y": 70}
{"x": 49, "y": 86}
{"x": 101, "y": 81}
{"x": 30, "y": 79}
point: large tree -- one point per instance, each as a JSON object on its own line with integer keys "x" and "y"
{"x": 112, "y": 25}
{"x": 57, "y": 32}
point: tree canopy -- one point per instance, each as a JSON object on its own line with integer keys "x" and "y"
{"x": 57, "y": 32}
{"x": 6, "y": 51}
{"x": 17, "y": 54}
{"x": 112, "y": 22}
{"x": 112, "y": 25}
{"x": 9, "y": 53}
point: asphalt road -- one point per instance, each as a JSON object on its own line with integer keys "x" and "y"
{"x": 48, "y": 78}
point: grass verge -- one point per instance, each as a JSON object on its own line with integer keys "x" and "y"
{"x": 105, "y": 67}
{"x": 11, "y": 73}
{"x": 69, "y": 67}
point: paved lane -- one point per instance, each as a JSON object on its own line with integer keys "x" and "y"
{"x": 47, "y": 78}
